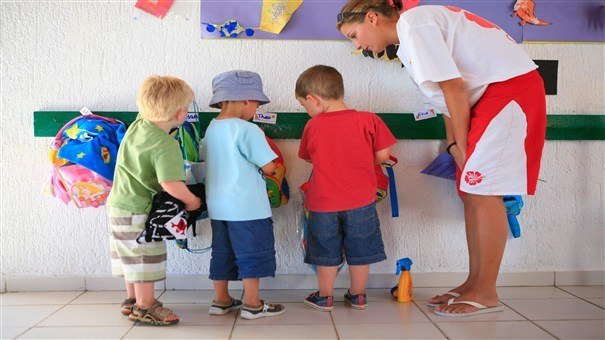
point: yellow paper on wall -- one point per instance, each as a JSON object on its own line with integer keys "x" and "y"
{"x": 277, "y": 13}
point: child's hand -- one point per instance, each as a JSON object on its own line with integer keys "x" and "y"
{"x": 193, "y": 205}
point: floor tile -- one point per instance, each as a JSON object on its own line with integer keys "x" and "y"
{"x": 106, "y": 297}
{"x": 598, "y": 301}
{"x": 507, "y": 315}
{"x": 556, "y": 309}
{"x": 532, "y": 293}
{"x": 389, "y": 331}
{"x": 585, "y": 292}
{"x": 378, "y": 313}
{"x": 193, "y": 296}
{"x": 87, "y": 315}
{"x": 75, "y": 333}
{"x": 375, "y": 295}
{"x": 284, "y": 332}
{"x": 11, "y": 332}
{"x": 26, "y": 316}
{"x": 577, "y": 329}
{"x": 296, "y": 314}
{"x": 179, "y": 332}
{"x": 284, "y": 295}
{"x": 197, "y": 315}
{"x": 493, "y": 330}
{"x": 423, "y": 294}
{"x": 37, "y": 298}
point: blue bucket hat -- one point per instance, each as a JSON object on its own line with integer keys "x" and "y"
{"x": 237, "y": 85}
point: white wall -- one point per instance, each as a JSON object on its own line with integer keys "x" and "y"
{"x": 61, "y": 56}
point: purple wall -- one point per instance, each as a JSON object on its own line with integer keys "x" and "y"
{"x": 573, "y": 20}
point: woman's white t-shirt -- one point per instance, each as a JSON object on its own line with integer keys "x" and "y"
{"x": 439, "y": 43}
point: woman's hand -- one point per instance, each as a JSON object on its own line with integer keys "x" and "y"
{"x": 459, "y": 156}
{"x": 457, "y": 127}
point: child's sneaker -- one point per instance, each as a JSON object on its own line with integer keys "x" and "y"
{"x": 321, "y": 303}
{"x": 358, "y": 301}
{"x": 266, "y": 309}
{"x": 221, "y": 308}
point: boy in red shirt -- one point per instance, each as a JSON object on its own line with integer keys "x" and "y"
{"x": 343, "y": 145}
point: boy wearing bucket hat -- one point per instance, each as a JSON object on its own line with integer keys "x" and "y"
{"x": 235, "y": 152}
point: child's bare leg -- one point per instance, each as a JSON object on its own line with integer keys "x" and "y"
{"x": 146, "y": 297}
{"x": 251, "y": 292}
{"x": 490, "y": 232}
{"x": 129, "y": 290}
{"x": 221, "y": 291}
{"x": 359, "y": 279}
{"x": 326, "y": 276}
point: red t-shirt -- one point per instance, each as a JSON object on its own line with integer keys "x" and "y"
{"x": 341, "y": 146}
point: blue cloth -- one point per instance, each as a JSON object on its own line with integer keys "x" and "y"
{"x": 443, "y": 166}
{"x": 242, "y": 250}
{"x": 357, "y": 230}
{"x": 93, "y": 143}
{"x": 235, "y": 86}
{"x": 234, "y": 150}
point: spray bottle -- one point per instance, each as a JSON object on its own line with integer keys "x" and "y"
{"x": 513, "y": 206}
{"x": 405, "y": 289}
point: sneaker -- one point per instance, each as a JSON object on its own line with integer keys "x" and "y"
{"x": 358, "y": 301}
{"x": 266, "y": 309}
{"x": 219, "y": 308}
{"x": 321, "y": 303}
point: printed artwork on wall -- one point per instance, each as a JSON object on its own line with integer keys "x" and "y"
{"x": 157, "y": 8}
{"x": 533, "y": 20}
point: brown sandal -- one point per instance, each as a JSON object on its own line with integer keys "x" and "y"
{"x": 126, "y": 306}
{"x": 155, "y": 315}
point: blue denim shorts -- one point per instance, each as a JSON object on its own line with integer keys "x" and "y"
{"x": 357, "y": 230}
{"x": 242, "y": 249}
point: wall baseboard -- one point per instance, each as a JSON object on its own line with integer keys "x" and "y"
{"x": 201, "y": 281}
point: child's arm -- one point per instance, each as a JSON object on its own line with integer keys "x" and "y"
{"x": 382, "y": 155}
{"x": 269, "y": 167}
{"x": 179, "y": 190}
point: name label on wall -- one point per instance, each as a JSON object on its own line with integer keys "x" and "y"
{"x": 427, "y": 114}
{"x": 267, "y": 118}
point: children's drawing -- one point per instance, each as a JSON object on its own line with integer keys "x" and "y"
{"x": 157, "y": 8}
{"x": 277, "y": 13}
{"x": 524, "y": 9}
{"x": 229, "y": 29}
{"x": 389, "y": 53}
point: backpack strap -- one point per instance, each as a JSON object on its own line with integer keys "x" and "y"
{"x": 392, "y": 186}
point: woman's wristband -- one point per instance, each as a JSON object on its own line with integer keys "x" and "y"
{"x": 449, "y": 147}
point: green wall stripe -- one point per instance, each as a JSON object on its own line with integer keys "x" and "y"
{"x": 291, "y": 124}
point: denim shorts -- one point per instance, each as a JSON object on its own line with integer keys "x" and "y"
{"x": 242, "y": 249}
{"x": 357, "y": 230}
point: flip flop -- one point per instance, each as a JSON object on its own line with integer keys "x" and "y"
{"x": 454, "y": 294}
{"x": 482, "y": 309}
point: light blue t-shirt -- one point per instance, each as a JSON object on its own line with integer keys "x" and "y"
{"x": 234, "y": 151}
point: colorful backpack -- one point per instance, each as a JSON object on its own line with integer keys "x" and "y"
{"x": 189, "y": 137}
{"x": 83, "y": 155}
{"x": 277, "y": 184}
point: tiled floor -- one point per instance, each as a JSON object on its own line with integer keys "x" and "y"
{"x": 567, "y": 312}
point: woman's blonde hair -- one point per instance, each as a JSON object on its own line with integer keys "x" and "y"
{"x": 161, "y": 97}
{"x": 356, "y": 10}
